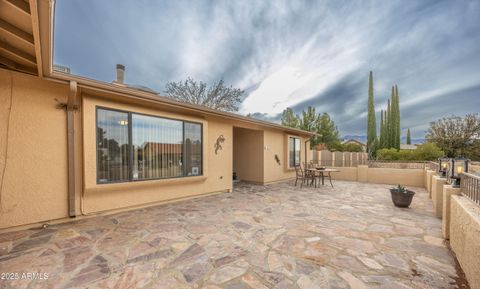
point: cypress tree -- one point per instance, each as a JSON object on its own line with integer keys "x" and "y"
{"x": 393, "y": 120}
{"x": 385, "y": 134}
{"x": 372, "y": 122}
{"x": 393, "y": 126}
{"x": 397, "y": 118}
{"x": 409, "y": 138}
{"x": 382, "y": 131}
{"x": 388, "y": 125}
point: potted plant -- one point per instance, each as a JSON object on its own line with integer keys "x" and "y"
{"x": 401, "y": 197}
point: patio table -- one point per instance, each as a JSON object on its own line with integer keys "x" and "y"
{"x": 322, "y": 173}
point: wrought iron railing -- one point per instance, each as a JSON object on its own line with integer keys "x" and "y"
{"x": 470, "y": 186}
{"x": 448, "y": 176}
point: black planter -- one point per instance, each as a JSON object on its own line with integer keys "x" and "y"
{"x": 402, "y": 199}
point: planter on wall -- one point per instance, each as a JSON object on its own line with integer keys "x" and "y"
{"x": 402, "y": 199}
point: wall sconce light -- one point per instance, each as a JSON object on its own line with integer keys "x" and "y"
{"x": 443, "y": 163}
{"x": 458, "y": 166}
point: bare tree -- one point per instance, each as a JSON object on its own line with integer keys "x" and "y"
{"x": 218, "y": 96}
{"x": 455, "y": 135}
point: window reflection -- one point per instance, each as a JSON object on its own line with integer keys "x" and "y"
{"x": 157, "y": 147}
{"x": 112, "y": 147}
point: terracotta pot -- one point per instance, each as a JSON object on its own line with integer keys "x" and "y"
{"x": 402, "y": 199}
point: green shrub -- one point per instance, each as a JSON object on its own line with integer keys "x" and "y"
{"x": 428, "y": 152}
{"x": 387, "y": 154}
{"x": 424, "y": 152}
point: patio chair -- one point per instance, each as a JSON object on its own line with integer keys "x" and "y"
{"x": 303, "y": 176}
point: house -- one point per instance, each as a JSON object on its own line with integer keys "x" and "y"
{"x": 72, "y": 146}
{"x": 357, "y": 142}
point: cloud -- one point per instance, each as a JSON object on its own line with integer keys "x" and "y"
{"x": 287, "y": 53}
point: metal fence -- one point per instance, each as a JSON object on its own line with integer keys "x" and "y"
{"x": 433, "y": 166}
{"x": 371, "y": 163}
{"x": 396, "y": 164}
{"x": 340, "y": 163}
{"x": 470, "y": 185}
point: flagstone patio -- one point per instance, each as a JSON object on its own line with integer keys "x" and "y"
{"x": 274, "y": 236}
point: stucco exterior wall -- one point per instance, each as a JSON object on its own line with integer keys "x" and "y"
{"x": 276, "y": 143}
{"x": 464, "y": 236}
{"x": 248, "y": 154}
{"x": 35, "y": 180}
{"x": 217, "y": 168}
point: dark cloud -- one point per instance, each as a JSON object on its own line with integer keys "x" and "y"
{"x": 287, "y": 53}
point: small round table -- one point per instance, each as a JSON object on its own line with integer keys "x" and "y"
{"x": 322, "y": 173}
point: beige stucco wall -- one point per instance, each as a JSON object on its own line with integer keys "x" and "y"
{"x": 464, "y": 236}
{"x": 346, "y": 174}
{"x": 217, "y": 168}
{"x": 35, "y": 179}
{"x": 437, "y": 194}
{"x": 448, "y": 191}
{"x": 248, "y": 154}
{"x": 362, "y": 174}
{"x": 405, "y": 177}
{"x": 276, "y": 143}
{"x": 429, "y": 176}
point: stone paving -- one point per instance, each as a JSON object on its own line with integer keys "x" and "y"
{"x": 274, "y": 236}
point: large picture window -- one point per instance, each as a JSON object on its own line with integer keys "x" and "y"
{"x": 134, "y": 147}
{"x": 293, "y": 152}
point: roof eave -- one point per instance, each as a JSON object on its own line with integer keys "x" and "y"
{"x": 87, "y": 83}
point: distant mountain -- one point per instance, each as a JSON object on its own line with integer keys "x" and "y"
{"x": 363, "y": 138}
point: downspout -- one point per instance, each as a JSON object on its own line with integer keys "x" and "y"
{"x": 308, "y": 140}
{"x": 71, "y": 107}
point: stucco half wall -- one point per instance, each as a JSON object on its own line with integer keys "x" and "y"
{"x": 464, "y": 236}
{"x": 405, "y": 177}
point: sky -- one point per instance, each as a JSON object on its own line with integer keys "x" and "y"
{"x": 287, "y": 53}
